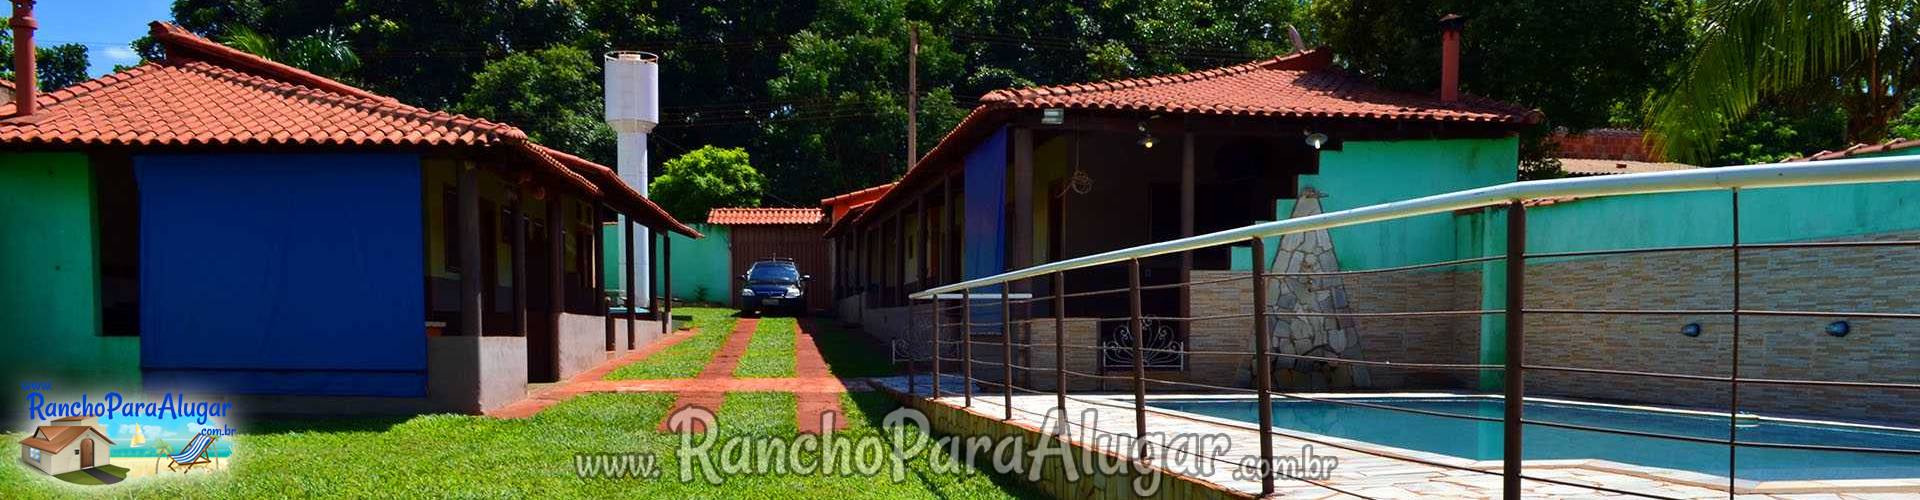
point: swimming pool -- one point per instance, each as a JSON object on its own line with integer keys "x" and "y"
{"x": 1478, "y": 440}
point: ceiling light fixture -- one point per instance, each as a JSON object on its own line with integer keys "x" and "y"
{"x": 1316, "y": 140}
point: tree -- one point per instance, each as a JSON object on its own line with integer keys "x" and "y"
{"x": 692, "y": 184}
{"x": 1750, "y": 51}
{"x": 58, "y": 66}
{"x": 1575, "y": 60}
{"x": 324, "y": 53}
{"x": 553, "y": 94}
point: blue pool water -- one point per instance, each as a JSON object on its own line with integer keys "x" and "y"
{"x": 1481, "y": 440}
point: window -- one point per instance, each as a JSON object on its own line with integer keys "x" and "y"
{"x": 34, "y": 454}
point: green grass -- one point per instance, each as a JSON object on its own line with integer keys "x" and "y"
{"x": 685, "y": 359}
{"x": 770, "y": 352}
{"x": 456, "y": 456}
{"x": 849, "y": 353}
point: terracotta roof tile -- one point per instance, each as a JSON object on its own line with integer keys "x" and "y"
{"x": 1859, "y": 149}
{"x": 859, "y": 194}
{"x": 1298, "y": 85}
{"x": 763, "y": 216}
{"x": 205, "y": 94}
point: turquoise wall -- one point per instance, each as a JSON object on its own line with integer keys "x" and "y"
{"x": 49, "y": 281}
{"x": 1705, "y": 218}
{"x": 700, "y": 266}
{"x": 1373, "y": 172}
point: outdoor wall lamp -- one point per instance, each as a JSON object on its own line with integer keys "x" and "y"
{"x": 1691, "y": 330}
{"x": 1316, "y": 140}
{"x": 1146, "y": 139}
{"x": 1839, "y": 328}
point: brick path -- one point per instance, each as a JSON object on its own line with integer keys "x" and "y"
{"x": 814, "y": 387}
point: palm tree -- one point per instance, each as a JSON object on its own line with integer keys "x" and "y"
{"x": 324, "y": 53}
{"x": 1863, "y": 51}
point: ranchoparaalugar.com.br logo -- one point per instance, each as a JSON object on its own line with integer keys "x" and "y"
{"x": 714, "y": 457}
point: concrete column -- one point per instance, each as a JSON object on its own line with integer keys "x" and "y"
{"x": 556, "y": 261}
{"x": 1186, "y": 222}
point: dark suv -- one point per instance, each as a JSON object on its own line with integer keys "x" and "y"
{"x": 774, "y": 285}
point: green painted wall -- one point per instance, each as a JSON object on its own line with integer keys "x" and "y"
{"x": 699, "y": 266}
{"x": 49, "y": 282}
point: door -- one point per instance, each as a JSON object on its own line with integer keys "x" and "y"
{"x": 86, "y": 453}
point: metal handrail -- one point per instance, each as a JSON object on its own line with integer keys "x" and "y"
{"x": 1845, "y": 171}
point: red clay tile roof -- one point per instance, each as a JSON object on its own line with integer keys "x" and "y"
{"x": 840, "y": 225}
{"x": 53, "y": 438}
{"x": 1303, "y": 85}
{"x": 859, "y": 194}
{"x": 763, "y": 216}
{"x": 610, "y": 181}
{"x": 1860, "y": 149}
{"x": 206, "y": 93}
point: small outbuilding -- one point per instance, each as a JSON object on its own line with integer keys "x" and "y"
{"x": 784, "y": 233}
{"x": 68, "y": 444}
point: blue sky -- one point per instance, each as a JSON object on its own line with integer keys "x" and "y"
{"x": 104, "y": 26}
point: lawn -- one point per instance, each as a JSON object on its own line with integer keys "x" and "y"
{"x": 685, "y": 359}
{"x": 770, "y": 352}
{"x": 849, "y": 353}
{"x": 444, "y": 456}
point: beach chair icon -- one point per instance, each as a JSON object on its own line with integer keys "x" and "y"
{"x": 195, "y": 453}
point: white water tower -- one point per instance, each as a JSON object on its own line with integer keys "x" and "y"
{"x": 633, "y": 108}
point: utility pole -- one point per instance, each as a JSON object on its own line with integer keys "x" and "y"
{"x": 913, "y": 94}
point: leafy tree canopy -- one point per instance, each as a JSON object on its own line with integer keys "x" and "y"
{"x": 553, "y": 94}
{"x": 692, "y": 184}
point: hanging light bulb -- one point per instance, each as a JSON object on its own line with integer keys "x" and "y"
{"x": 1146, "y": 139}
{"x": 1316, "y": 140}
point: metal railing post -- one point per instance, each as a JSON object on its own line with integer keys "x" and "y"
{"x": 911, "y": 387}
{"x": 1139, "y": 358}
{"x": 936, "y": 347}
{"x": 1006, "y": 349}
{"x": 1733, "y": 379}
{"x": 1060, "y": 343}
{"x": 1262, "y": 368}
{"x": 1512, "y": 451}
{"x": 966, "y": 347}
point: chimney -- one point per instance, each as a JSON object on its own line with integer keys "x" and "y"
{"x": 25, "y": 79}
{"x": 1450, "y": 26}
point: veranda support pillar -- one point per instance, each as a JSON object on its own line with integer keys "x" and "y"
{"x": 472, "y": 276}
{"x": 633, "y": 286}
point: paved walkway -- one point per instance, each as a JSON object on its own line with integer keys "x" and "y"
{"x": 814, "y": 387}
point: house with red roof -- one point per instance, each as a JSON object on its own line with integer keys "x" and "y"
{"x": 1036, "y": 175}
{"x": 218, "y": 222}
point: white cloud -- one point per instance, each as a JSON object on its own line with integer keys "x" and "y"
{"x": 121, "y": 55}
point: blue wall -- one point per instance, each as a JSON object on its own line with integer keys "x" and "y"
{"x": 282, "y": 274}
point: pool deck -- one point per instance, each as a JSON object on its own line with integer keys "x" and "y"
{"x": 1371, "y": 475}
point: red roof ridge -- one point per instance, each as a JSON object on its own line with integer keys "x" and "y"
{"x": 174, "y": 38}
{"x": 1319, "y": 58}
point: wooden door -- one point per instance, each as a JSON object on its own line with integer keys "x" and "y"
{"x": 86, "y": 453}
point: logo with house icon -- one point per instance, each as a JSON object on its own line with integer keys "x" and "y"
{"x": 72, "y": 446}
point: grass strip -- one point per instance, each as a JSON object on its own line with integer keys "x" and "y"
{"x": 770, "y": 352}
{"x": 684, "y": 360}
